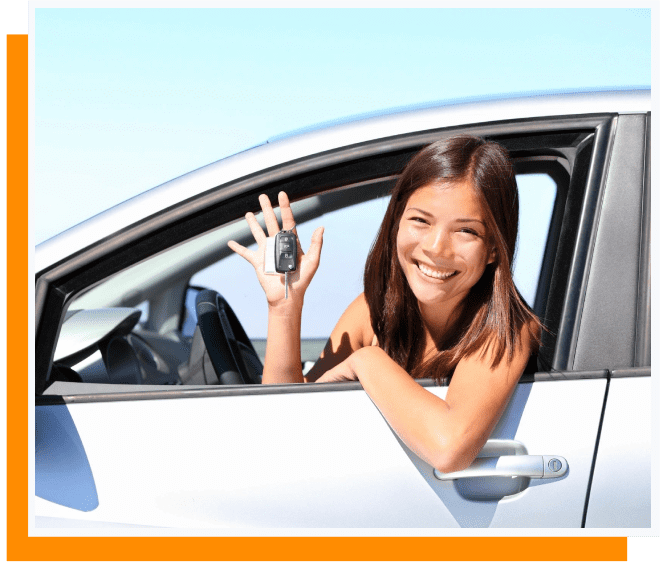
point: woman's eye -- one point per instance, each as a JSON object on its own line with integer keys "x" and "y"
{"x": 418, "y": 219}
{"x": 469, "y": 230}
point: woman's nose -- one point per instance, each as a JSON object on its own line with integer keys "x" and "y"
{"x": 438, "y": 244}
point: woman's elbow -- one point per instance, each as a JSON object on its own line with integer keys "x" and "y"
{"x": 453, "y": 458}
{"x": 450, "y": 464}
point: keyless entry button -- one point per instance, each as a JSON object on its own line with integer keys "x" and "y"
{"x": 285, "y": 251}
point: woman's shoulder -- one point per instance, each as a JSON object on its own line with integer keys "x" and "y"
{"x": 494, "y": 347}
{"x": 525, "y": 346}
{"x": 530, "y": 333}
{"x": 357, "y": 317}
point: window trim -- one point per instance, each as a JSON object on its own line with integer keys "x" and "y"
{"x": 185, "y": 392}
{"x": 642, "y": 355}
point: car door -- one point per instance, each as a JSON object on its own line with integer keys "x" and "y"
{"x": 322, "y": 455}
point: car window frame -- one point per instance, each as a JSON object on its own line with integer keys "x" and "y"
{"x": 57, "y": 286}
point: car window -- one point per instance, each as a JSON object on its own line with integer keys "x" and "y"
{"x": 349, "y": 234}
{"x": 141, "y": 322}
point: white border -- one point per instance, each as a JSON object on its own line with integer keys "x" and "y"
{"x": 450, "y": 532}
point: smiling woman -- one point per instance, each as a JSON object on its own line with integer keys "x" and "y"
{"x": 455, "y": 209}
{"x": 438, "y": 301}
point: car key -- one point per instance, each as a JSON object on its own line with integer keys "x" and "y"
{"x": 285, "y": 254}
{"x": 281, "y": 254}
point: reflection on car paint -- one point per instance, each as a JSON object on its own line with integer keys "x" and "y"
{"x": 62, "y": 471}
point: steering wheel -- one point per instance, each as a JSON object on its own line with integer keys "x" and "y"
{"x": 233, "y": 356}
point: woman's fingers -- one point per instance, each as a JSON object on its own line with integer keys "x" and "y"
{"x": 286, "y": 212}
{"x": 270, "y": 217}
{"x": 251, "y": 256}
{"x": 256, "y": 230}
{"x": 241, "y": 250}
{"x": 315, "y": 248}
{"x": 271, "y": 221}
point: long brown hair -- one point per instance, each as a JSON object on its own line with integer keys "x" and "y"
{"x": 494, "y": 312}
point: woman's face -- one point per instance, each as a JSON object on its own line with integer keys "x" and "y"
{"x": 442, "y": 243}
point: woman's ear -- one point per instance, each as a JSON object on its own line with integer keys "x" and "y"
{"x": 492, "y": 256}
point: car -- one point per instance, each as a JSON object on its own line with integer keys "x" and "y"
{"x": 149, "y": 411}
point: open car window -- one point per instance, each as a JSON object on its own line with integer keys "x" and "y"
{"x": 152, "y": 352}
{"x": 349, "y": 234}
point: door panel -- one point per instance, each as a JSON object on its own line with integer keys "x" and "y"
{"x": 621, "y": 487}
{"x": 319, "y": 459}
{"x": 549, "y": 418}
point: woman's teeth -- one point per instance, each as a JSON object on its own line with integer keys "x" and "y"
{"x": 435, "y": 274}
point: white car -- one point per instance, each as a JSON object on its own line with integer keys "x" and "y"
{"x": 147, "y": 416}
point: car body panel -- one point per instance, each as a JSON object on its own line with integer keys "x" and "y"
{"x": 622, "y": 480}
{"x": 329, "y": 461}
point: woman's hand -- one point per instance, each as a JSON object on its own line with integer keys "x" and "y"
{"x": 307, "y": 264}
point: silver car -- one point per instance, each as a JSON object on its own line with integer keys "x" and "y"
{"x": 150, "y": 411}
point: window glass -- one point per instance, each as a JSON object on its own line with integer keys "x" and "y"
{"x": 536, "y": 193}
{"x": 144, "y": 308}
{"x": 189, "y": 324}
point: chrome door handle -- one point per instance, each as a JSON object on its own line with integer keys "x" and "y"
{"x": 524, "y": 465}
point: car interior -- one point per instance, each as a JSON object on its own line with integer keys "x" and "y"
{"x": 135, "y": 330}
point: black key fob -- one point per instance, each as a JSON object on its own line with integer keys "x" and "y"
{"x": 285, "y": 252}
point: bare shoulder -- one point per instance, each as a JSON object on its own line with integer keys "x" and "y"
{"x": 352, "y": 332}
{"x": 479, "y": 371}
{"x": 529, "y": 338}
{"x": 356, "y": 321}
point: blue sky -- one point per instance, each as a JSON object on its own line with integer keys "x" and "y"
{"x": 126, "y": 99}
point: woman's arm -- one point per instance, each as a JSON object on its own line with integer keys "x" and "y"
{"x": 283, "y": 352}
{"x": 446, "y": 433}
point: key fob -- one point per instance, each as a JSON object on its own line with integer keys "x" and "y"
{"x": 285, "y": 252}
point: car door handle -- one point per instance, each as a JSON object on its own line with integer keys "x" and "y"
{"x": 529, "y": 466}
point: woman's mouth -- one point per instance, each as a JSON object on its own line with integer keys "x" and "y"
{"x": 432, "y": 273}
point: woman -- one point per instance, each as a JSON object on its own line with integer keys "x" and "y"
{"x": 439, "y": 301}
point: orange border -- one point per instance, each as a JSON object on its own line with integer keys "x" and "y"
{"x": 20, "y": 547}
{"x": 17, "y": 271}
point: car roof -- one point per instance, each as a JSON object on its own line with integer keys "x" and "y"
{"x": 338, "y": 134}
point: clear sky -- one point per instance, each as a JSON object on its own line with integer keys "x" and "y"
{"x": 126, "y": 99}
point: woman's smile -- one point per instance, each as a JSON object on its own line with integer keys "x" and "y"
{"x": 434, "y": 273}
{"x": 442, "y": 243}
